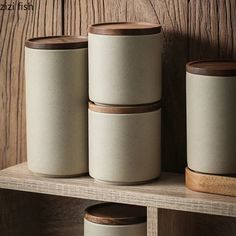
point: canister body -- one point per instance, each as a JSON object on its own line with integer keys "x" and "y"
{"x": 211, "y": 123}
{"x": 56, "y": 104}
{"x": 125, "y": 69}
{"x": 93, "y": 229}
{"x": 124, "y": 148}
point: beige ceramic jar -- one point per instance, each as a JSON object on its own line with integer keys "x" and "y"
{"x": 125, "y": 63}
{"x": 110, "y": 219}
{"x": 124, "y": 143}
{"x": 211, "y": 117}
{"x": 56, "y": 104}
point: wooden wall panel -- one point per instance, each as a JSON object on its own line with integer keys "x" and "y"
{"x": 212, "y": 29}
{"x": 15, "y": 27}
{"x": 172, "y": 15}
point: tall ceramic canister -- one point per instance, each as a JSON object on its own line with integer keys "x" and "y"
{"x": 111, "y": 219}
{"x": 125, "y": 63}
{"x": 211, "y": 117}
{"x": 124, "y": 143}
{"x": 56, "y": 70}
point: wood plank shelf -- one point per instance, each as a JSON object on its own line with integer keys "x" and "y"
{"x": 169, "y": 192}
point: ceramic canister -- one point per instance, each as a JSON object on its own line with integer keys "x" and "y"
{"x": 125, "y": 63}
{"x": 56, "y": 103}
{"x": 211, "y": 116}
{"x": 110, "y": 219}
{"x": 124, "y": 143}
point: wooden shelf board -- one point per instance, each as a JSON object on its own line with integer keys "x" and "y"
{"x": 168, "y": 192}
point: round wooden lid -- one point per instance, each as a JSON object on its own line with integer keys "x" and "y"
{"x": 57, "y": 42}
{"x": 120, "y": 109}
{"x": 125, "y": 28}
{"x": 116, "y": 214}
{"x": 212, "y": 67}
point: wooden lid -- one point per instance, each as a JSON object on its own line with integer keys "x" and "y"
{"x": 116, "y": 214}
{"x": 212, "y": 67}
{"x": 125, "y": 28}
{"x": 57, "y": 42}
{"x": 102, "y": 108}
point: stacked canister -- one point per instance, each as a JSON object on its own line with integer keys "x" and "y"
{"x": 125, "y": 94}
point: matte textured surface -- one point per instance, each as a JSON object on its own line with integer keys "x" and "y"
{"x": 92, "y": 229}
{"x": 211, "y": 115}
{"x": 125, "y": 70}
{"x": 125, "y": 148}
{"x": 57, "y": 114}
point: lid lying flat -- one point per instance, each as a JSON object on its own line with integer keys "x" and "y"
{"x": 120, "y": 109}
{"x": 125, "y": 28}
{"x": 115, "y": 214}
{"x": 57, "y": 42}
{"x": 212, "y": 68}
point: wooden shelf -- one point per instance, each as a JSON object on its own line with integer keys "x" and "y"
{"x": 168, "y": 192}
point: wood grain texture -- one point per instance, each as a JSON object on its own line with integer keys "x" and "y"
{"x": 179, "y": 223}
{"x": 152, "y": 221}
{"x": 168, "y": 192}
{"x": 15, "y": 28}
{"x": 29, "y": 214}
{"x": 212, "y": 29}
{"x": 57, "y": 42}
{"x": 217, "y": 184}
{"x": 172, "y": 15}
{"x": 116, "y": 214}
{"x": 124, "y": 28}
{"x": 212, "y": 67}
{"x": 18, "y": 213}
{"x": 119, "y": 109}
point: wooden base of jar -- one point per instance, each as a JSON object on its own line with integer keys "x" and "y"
{"x": 124, "y": 183}
{"x": 207, "y": 183}
{"x": 59, "y": 176}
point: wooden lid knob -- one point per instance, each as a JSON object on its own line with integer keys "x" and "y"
{"x": 57, "y": 42}
{"x": 116, "y": 214}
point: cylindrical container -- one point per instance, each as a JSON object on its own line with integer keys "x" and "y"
{"x": 56, "y": 71}
{"x": 111, "y": 219}
{"x": 124, "y": 143}
{"x": 125, "y": 63}
{"x": 211, "y": 116}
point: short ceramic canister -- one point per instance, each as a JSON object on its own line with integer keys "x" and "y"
{"x": 211, "y": 117}
{"x": 111, "y": 219}
{"x": 124, "y": 143}
{"x": 56, "y": 70}
{"x": 125, "y": 63}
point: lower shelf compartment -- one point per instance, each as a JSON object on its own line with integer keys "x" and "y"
{"x": 27, "y": 214}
